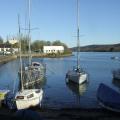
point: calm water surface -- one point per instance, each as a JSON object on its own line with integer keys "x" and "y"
{"x": 58, "y": 94}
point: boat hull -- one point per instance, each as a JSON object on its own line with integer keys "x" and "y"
{"x": 108, "y": 98}
{"x": 77, "y": 77}
{"x": 27, "y": 103}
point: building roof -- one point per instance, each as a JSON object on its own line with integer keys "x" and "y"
{"x": 54, "y": 47}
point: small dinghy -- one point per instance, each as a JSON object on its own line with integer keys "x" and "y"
{"x": 108, "y": 98}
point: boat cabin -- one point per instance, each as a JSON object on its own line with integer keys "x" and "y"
{"x": 27, "y": 95}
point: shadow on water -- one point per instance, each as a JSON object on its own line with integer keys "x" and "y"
{"x": 77, "y": 89}
{"x": 39, "y": 84}
{"x": 36, "y": 85}
{"x": 116, "y": 83}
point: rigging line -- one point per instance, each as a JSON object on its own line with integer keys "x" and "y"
{"x": 78, "y": 40}
{"x": 19, "y": 38}
{"x": 52, "y": 71}
{"x": 29, "y": 30}
{"x": 14, "y": 85}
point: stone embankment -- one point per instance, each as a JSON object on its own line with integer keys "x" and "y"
{"x": 43, "y": 55}
{"x": 7, "y": 58}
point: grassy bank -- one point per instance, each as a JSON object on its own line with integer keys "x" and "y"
{"x": 5, "y": 59}
{"x": 42, "y": 55}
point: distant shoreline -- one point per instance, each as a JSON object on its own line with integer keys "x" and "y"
{"x": 6, "y": 58}
{"x": 99, "y": 48}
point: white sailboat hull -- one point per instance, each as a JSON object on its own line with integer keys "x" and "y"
{"x": 28, "y": 102}
{"x": 77, "y": 77}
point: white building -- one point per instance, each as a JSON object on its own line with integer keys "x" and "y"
{"x": 7, "y": 48}
{"x": 53, "y": 49}
{"x": 13, "y": 41}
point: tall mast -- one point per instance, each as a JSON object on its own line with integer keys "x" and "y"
{"x": 78, "y": 40}
{"x": 19, "y": 38}
{"x": 29, "y": 37}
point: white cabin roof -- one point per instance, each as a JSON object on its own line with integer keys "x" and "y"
{"x": 26, "y": 92}
{"x": 53, "y": 47}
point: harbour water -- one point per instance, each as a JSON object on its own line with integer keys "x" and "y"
{"x": 58, "y": 94}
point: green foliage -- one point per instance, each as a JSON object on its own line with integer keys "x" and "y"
{"x": 1, "y": 40}
{"x": 59, "y": 43}
{"x": 99, "y": 48}
{"x": 48, "y": 43}
{"x": 16, "y": 45}
{"x": 38, "y": 45}
{"x": 7, "y": 42}
{"x": 24, "y": 43}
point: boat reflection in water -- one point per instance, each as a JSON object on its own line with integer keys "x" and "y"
{"x": 116, "y": 83}
{"x": 77, "y": 89}
{"x": 116, "y": 74}
{"x": 37, "y": 85}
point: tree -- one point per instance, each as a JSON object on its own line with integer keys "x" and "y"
{"x": 24, "y": 44}
{"x": 48, "y": 43}
{"x": 7, "y": 42}
{"x": 1, "y": 40}
{"x": 38, "y": 45}
{"x": 57, "y": 42}
{"x": 16, "y": 45}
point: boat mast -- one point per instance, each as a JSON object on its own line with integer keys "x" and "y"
{"x": 29, "y": 37}
{"x": 78, "y": 40}
{"x": 19, "y": 38}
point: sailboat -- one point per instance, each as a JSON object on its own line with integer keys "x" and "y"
{"x": 77, "y": 75}
{"x": 26, "y": 98}
{"x": 35, "y": 71}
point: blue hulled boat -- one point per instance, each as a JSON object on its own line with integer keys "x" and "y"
{"x": 108, "y": 98}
